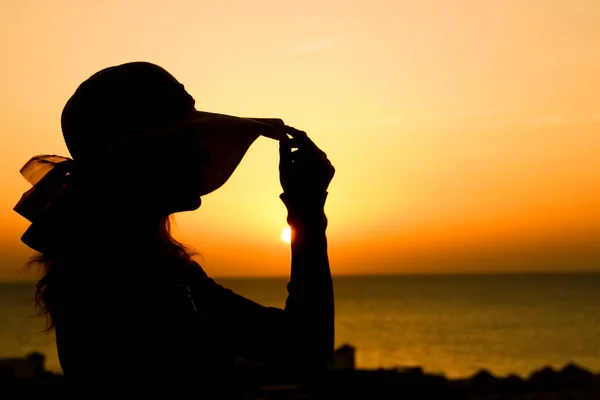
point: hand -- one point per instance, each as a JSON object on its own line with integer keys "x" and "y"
{"x": 305, "y": 173}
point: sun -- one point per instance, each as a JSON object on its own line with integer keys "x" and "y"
{"x": 286, "y": 234}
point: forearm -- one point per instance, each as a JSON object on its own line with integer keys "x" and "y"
{"x": 310, "y": 304}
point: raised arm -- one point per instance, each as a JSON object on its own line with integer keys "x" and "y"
{"x": 302, "y": 334}
{"x": 305, "y": 176}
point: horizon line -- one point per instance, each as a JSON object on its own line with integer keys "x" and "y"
{"x": 400, "y": 274}
{"x": 384, "y": 274}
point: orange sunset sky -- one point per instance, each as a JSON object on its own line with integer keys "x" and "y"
{"x": 465, "y": 134}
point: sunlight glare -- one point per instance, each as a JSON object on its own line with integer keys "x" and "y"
{"x": 286, "y": 234}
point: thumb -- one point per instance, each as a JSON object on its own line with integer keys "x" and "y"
{"x": 285, "y": 154}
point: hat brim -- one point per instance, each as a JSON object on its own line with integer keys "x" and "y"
{"x": 226, "y": 139}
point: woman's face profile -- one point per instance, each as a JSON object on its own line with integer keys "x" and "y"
{"x": 168, "y": 173}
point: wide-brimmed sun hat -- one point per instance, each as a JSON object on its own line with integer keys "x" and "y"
{"x": 138, "y": 99}
{"x": 131, "y": 102}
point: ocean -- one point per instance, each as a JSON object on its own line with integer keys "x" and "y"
{"x": 454, "y": 325}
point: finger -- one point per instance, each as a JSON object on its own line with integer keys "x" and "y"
{"x": 293, "y": 143}
{"x": 299, "y": 137}
{"x": 302, "y": 139}
{"x": 285, "y": 157}
{"x": 285, "y": 150}
{"x": 295, "y": 133}
{"x": 310, "y": 155}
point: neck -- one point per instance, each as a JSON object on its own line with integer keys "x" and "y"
{"x": 112, "y": 219}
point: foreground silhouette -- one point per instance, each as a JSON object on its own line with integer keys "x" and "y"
{"x": 117, "y": 286}
{"x": 343, "y": 381}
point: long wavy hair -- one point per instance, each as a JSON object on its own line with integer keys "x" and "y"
{"x": 153, "y": 237}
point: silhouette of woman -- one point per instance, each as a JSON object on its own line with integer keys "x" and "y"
{"x": 126, "y": 300}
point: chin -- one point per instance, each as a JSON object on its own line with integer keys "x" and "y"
{"x": 189, "y": 205}
{"x": 193, "y": 204}
{"x": 197, "y": 203}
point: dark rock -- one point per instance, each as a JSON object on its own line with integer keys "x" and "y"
{"x": 574, "y": 375}
{"x": 484, "y": 380}
{"x": 544, "y": 379}
{"x": 513, "y": 383}
{"x": 412, "y": 372}
{"x": 344, "y": 358}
